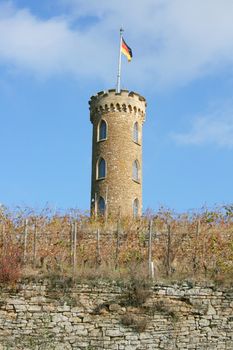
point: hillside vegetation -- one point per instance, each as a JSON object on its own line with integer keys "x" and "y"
{"x": 162, "y": 245}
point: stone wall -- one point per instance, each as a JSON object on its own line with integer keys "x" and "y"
{"x": 49, "y": 316}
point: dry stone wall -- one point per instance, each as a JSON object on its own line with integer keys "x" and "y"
{"x": 44, "y": 316}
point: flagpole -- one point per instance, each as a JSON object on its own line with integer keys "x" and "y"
{"x": 118, "y": 89}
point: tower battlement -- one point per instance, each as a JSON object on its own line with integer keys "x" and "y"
{"x": 111, "y": 101}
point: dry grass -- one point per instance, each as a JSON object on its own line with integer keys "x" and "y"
{"x": 199, "y": 248}
{"x": 138, "y": 323}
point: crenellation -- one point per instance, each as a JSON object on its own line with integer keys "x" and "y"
{"x": 128, "y": 109}
{"x": 123, "y": 97}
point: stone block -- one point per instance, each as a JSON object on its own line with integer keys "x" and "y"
{"x": 16, "y": 301}
{"x": 204, "y": 322}
{"x": 20, "y": 307}
{"x": 75, "y": 319}
{"x": 81, "y": 332}
{"x": 114, "y": 307}
{"x": 63, "y": 308}
{"x": 113, "y": 333}
{"x": 34, "y": 308}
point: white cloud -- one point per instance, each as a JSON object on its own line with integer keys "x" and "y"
{"x": 46, "y": 47}
{"x": 215, "y": 127}
{"x": 174, "y": 41}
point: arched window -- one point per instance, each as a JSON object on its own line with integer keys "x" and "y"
{"x": 101, "y": 169}
{"x": 101, "y": 206}
{"x": 102, "y": 132}
{"x": 135, "y": 207}
{"x": 135, "y": 132}
{"x": 136, "y": 170}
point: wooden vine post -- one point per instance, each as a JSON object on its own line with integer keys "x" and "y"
{"x": 118, "y": 239}
{"x": 25, "y": 236}
{"x": 168, "y": 263}
{"x": 98, "y": 258}
{"x": 75, "y": 250}
{"x": 35, "y": 244}
{"x": 150, "y": 262}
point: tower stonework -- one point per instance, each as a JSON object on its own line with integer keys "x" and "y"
{"x": 117, "y": 120}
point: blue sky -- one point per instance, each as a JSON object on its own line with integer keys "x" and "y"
{"x": 55, "y": 54}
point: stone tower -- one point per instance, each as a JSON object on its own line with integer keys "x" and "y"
{"x": 117, "y": 120}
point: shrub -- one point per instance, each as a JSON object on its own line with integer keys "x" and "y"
{"x": 10, "y": 266}
{"x": 137, "y": 292}
{"x": 164, "y": 309}
{"x": 135, "y": 322}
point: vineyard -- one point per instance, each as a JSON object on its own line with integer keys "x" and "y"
{"x": 163, "y": 245}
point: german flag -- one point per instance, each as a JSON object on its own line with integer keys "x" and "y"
{"x": 126, "y": 50}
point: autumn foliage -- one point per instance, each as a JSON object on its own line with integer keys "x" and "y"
{"x": 190, "y": 245}
{"x": 10, "y": 268}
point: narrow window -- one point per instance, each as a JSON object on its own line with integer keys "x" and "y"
{"x": 135, "y": 170}
{"x": 135, "y": 132}
{"x": 101, "y": 206}
{"x": 101, "y": 169}
{"x": 135, "y": 207}
{"x": 102, "y": 132}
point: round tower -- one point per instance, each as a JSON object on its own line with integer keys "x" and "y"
{"x": 117, "y": 120}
